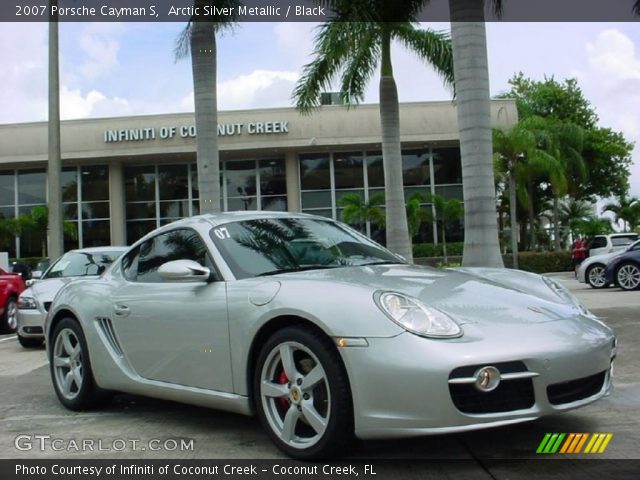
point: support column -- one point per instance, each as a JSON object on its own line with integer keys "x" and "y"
{"x": 116, "y": 204}
{"x": 293, "y": 182}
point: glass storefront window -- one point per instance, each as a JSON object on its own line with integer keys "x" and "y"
{"x": 69, "y": 184}
{"x": 375, "y": 169}
{"x": 32, "y": 187}
{"x": 273, "y": 178}
{"x": 241, "y": 178}
{"x": 140, "y": 183}
{"x": 446, "y": 166}
{"x": 94, "y": 233}
{"x": 137, "y": 229}
{"x": 242, "y": 203}
{"x": 95, "y": 210}
{"x": 275, "y": 204}
{"x": 174, "y": 209}
{"x": 7, "y": 188}
{"x": 95, "y": 183}
{"x": 173, "y": 182}
{"x": 347, "y": 169}
{"x": 315, "y": 172}
{"x": 415, "y": 168}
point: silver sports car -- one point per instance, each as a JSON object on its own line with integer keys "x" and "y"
{"x": 323, "y": 334}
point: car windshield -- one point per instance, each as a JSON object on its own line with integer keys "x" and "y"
{"x": 262, "y": 247}
{"x": 80, "y": 264}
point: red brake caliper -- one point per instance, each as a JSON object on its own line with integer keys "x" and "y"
{"x": 283, "y": 380}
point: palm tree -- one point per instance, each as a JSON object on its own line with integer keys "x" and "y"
{"x": 199, "y": 38}
{"x": 416, "y": 215}
{"x": 358, "y": 211}
{"x": 573, "y": 213}
{"x": 471, "y": 70}
{"x": 353, "y": 50}
{"x": 54, "y": 166}
{"x": 627, "y": 210}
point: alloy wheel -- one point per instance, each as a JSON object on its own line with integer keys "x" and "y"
{"x": 628, "y": 277}
{"x": 12, "y": 315}
{"x": 295, "y": 395}
{"x": 596, "y": 277}
{"x": 68, "y": 363}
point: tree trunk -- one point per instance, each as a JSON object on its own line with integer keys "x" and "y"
{"x": 398, "y": 240}
{"x": 512, "y": 216}
{"x": 54, "y": 164}
{"x": 556, "y": 224}
{"x": 444, "y": 245}
{"x": 203, "y": 63}
{"x": 532, "y": 220}
{"x": 481, "y": 246}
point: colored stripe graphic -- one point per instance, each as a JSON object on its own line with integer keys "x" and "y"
{"x": 573, "y": 443}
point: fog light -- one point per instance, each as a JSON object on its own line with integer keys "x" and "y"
{"x": 487, "y": 379}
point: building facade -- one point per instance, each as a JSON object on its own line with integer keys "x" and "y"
{"x": 123, "y": 177}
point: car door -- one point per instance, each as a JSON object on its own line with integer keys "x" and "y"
{"x": 172, "y": 331}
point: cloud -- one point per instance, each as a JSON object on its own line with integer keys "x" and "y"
{"x": 612, "y": 83}
{"x": 100, "y": 46}
{"x": 73, "y": 104}
{"x": 258, "y": 89}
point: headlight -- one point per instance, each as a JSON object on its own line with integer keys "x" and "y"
{"x": 416, "y": 317}
{"x": 564, "y": 294}
{"x": 27, "y": 303}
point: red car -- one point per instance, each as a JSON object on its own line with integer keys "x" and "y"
{"x": 11, "y": 285}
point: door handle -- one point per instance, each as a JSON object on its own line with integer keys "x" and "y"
{"x": 121, "y": 310}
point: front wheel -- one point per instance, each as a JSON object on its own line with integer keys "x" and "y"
{"x": 596, "y": 277}
{"x": 628, "y": 276}
{"x": 70, "y": 367}
{"x": 302, "y": 394}
{"x": 9, "y": 321}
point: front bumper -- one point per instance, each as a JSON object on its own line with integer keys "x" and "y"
{"x": 401, "y": 385}
{"x": 31, "y": 323}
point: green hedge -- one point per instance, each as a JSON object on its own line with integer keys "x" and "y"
{"x": 537, "y": 262}
{"x": 543, "y": 262}
{"x": 421, "y": 250}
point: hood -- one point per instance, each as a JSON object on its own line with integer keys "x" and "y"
{"x": 472, "y": 295}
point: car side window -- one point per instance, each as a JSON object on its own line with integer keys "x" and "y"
{"x": 142, "y": 263}
{"x": 598, "y": 242}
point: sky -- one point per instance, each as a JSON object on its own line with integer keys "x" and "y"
{"x": 122, "y": 69}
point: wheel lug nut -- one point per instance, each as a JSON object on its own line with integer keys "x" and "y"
{"x": 299, "y": 408}
{"x": 299, "y": 381}
{"x": 305, "y": 396}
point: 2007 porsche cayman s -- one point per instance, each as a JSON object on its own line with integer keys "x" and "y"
{"x": 323, "y": 334}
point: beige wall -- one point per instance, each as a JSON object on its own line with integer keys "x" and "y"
{"x": 22, "y": 144}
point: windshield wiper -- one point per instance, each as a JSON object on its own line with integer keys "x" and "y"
{"x": 296, "y": 269}
{"x": 386, "y": 262}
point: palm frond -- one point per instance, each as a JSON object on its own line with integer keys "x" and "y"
{"x": 434, "y": 47}
{"x": 183, "y": 43}
{"x": 359, "y": 70}
{"x": 334, "y": 44}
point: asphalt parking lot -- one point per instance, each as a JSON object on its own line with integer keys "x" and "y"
{"x": 28, "y": 406}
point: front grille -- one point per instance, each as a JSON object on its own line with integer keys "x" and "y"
{"x": 511, "y": 394}
{"x": 47, "y": 306}
{"x": 574, "y": 390}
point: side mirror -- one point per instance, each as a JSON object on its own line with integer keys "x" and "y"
{"x": 30, "y": 282}
{"x": 184, "y": 271}
{"x": 36, "y": 274}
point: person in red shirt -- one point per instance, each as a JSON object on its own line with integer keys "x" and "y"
{"x": 580, "y": 251}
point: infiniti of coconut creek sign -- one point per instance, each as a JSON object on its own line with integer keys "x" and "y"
{"x": 189, "y": 131}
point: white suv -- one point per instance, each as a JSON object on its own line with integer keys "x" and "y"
{"x": 611, "y": 243}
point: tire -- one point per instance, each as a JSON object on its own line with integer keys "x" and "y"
{"x": 70, "y": 367}
{"x": 30, "y": 342}
{"x": 304, "y": 421}
{"x": 9, "y": 321}
{"x": 628, "y": 276}
{"x": 595, "y": 276}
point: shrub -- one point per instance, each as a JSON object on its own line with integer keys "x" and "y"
{"x": 543, "y": 262}
{"x": 424, "y": 250}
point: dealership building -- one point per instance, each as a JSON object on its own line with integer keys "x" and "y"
{"x": 123, "y": 177}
